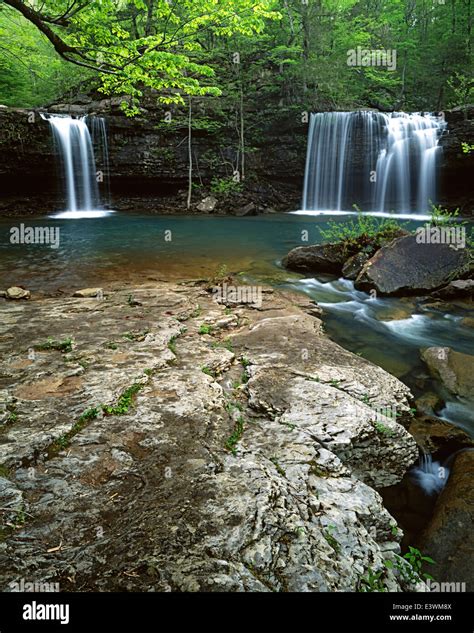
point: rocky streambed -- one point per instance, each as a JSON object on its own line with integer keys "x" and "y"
{"x": 153, "y": 439}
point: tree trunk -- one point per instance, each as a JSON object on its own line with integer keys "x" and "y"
{"x": 190, "y": 154}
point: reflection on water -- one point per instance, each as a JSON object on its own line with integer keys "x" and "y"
{"x": 387, "y": 331}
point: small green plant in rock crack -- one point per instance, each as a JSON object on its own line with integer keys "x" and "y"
{"x": 136, "y": 336}
{"x": 172, "y": 344}
{"x": 124, "y": 402}
{"x": 132, "y": 302}
{"x": 208, "y": 371}
{"x": 12, "y": 414}
{"x": 278, "y": 467}
{"x": 410, "y": 566}
{"x": 61, "y": 346}
{"x": 383, "y": 430}
{"x": 5, "y": 472}
{"x": 292, "y": 427}
{"x": 230, "y": 406}
{"x": 373, "y": 582}
{"x": 111, "y": 345}
{"x": 327, "y": 533}
{"x": 226, "y": 344}
{"x": 234, "y": 439}
{"x": 204, "y": 328}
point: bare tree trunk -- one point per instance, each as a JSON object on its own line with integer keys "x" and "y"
{"x": 190, "y": 154}
{"x": 242, "y": 129}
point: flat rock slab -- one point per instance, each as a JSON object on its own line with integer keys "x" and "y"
{"x": 245, "y": 459}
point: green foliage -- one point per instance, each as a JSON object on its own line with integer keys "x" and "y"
{"x": 234, "y": 439}
{"x": 225, "y": 186}
{"x": 467, "y": 148}
{"x": 205, "y": 329}
{"x": 289, "y": 52}
{"x": 124, "y": 402}
{"x": 61, "y": 346}
{"x": 333, "y": 542}
{"x": 410, "y": 566}
{"x": 362, "y": 232}
{"x": 383, "y": 430}
{"x": 373, "y": 582}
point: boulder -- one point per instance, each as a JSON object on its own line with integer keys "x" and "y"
{"x": 354, "y": 265}
{"x": 448, "y": 538}
{"x": 454, "y": 369}
{"x": 248, "y": 209}
{"x": 405, "y": 266}
{"x": 207, "y": 205}
{"x": 15, "y": 292}
{"x": 456, "y": 289}
{"x": 319, "y": 258}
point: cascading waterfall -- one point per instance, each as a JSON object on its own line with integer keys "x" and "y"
{"x": 76, "y": 148}
{"x": 381, "y": 162}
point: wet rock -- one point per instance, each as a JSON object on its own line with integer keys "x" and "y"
{"x": 456, "y": 289}
{"x": 448, "y": 539}
{"x": 438, "y": 437}
{"x": 328, "y": 258}
{"x": 454, "y": 369}
{"x": 354, "y": 265}
{"x": 88, "y": 293}
{"x": 17, "y": 293}
{"x": 207, "y": 205}
{"x": 248, "y": 209}
{"x": 405, "y": 266}
{"x": 428, "y": 403}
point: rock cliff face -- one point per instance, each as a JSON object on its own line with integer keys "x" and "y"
{"x": 149, "y": 161}
{"x": 177, "y": 445}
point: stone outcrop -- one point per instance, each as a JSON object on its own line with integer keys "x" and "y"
{"x": 149, "y": 162}
{"x": 149, "y": 158}
{"x": 171, "y": 445}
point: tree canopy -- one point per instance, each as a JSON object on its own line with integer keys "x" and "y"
{"x": 290, "y": 51}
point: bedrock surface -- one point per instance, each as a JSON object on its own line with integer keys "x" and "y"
{"x": 174, "y": 444}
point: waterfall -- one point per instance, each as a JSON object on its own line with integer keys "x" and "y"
{"x": 381, "y": 162}
{"x": 429, "y": 475}
{"x": 76, "y": 149}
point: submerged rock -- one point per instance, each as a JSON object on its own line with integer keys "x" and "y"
{"x": 405, "y": 266}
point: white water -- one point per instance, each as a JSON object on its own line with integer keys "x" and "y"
{"x": 364, "y": 318}
{"x": 76, "y": 150}
{"x": 381, "y": 162}
{"x": 430, "y": 476}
